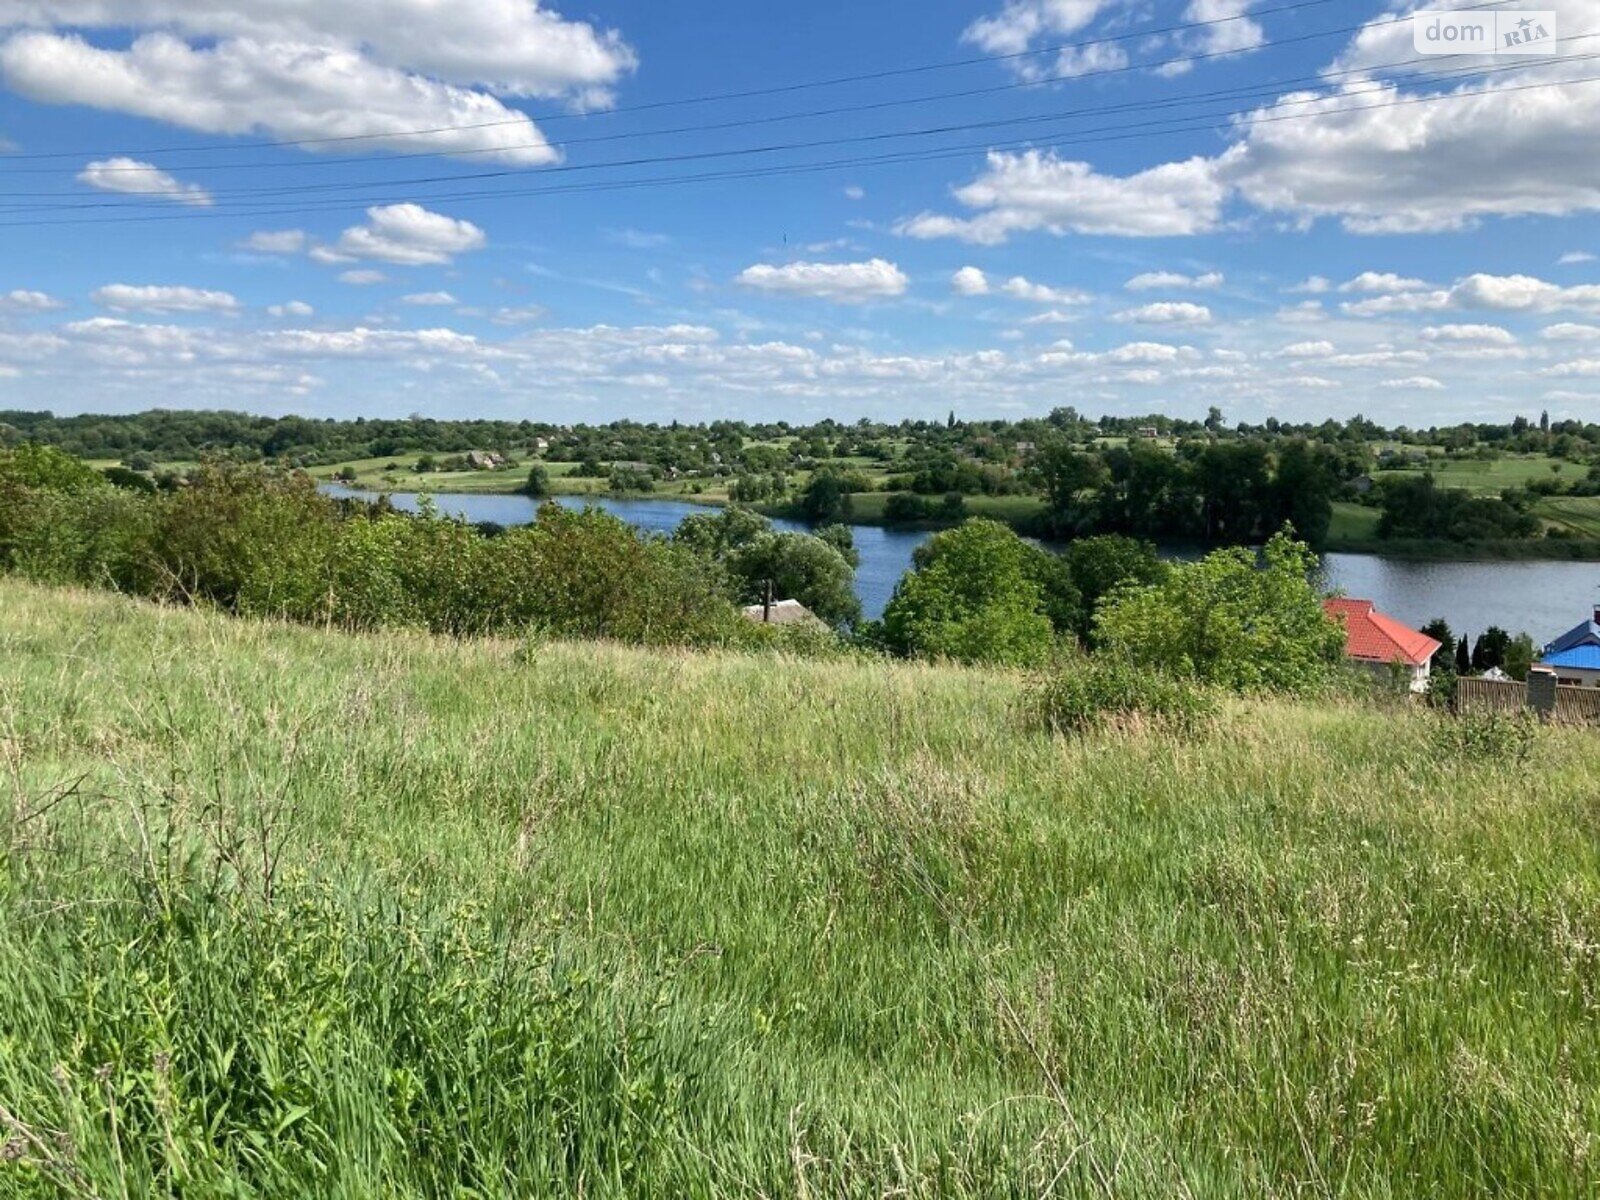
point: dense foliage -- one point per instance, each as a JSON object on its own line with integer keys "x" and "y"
{"x": 1228, "y": 620}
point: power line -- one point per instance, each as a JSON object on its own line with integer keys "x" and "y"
{"x": 781, "y": 89}
{"x": 782, "y": 170}
{"x": 742, "y": 123}
{"x": 1231, "y": 94}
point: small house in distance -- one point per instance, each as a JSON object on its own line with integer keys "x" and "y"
{"x": 780, "y": 612}
{"x": 483, "y": 460}
{"x": 1382, "y": 644}
{"x": 1575, "y": 655}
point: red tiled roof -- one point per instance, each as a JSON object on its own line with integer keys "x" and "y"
{"x": 1369, "y": 636}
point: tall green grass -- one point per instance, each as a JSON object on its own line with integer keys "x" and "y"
{"x": 287, "y": 912}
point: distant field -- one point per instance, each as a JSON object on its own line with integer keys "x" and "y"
{"x": 1581, "y": 514}
{"x": 1495, "y": 475}
{"x": 1352, "y": 522}
{"x": 327, "y": 915}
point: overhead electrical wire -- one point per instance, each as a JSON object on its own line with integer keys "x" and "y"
{"x": 780, "y": 89}
{"x": 1123, "y": 133}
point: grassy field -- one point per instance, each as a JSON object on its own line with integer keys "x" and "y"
{"x": 1493, "y": 476}
{"x": 303, "y": 913}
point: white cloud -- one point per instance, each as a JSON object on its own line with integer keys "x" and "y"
{"x": 1413, "y": 383}
{"x": 122, "y": 297}
{"x": 131, "y": 177}
{"x": 1315, "y": 285}
{"x": 1575, "y": 258}
{"x": 1364, "y": 153}
{"x": 276, "y": 241}
{"x": 1581, "y": 368}
{"x": 1308, "y": 350}
{"x": 1566, "y": 331}
{"x": 1022, "y": 288}
{"x": 362, "y": 277}
{"x": 1144, "y": 352}
{"x": 521, "y": 315}
{"x": 1151, "y": 280}
{"x": 22, "y": 300}
{"x": 1054, "y": 317}
{"x": 1383, "y": 283}
{"x": 429, "y": 299}
{"x": 407, "y": 235}
{"x": 1167, "y": 312}
{"x": 1018, "y": 193}
{"x": 970, "y": 281}
{"x": 298, "y": 309}
{"x": 1468, "y": 333}
{"x": 847, "y": 283}
{"x": 1020, "y": 23}
{"x": 302, "y": 70}
{"x": 855, "y": 192}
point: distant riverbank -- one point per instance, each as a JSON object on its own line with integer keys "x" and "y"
{"x": 1541, "y": 597}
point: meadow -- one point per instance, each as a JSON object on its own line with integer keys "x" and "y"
{"x": 287, "y": 911}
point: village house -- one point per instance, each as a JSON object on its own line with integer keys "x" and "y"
{"x": 483, "y": 460}
{"x": 781, "y": 612}
{"x": 1383, "y": 645}
{"x": 1575, "y": 655}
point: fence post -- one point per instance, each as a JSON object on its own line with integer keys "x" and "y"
{"x": 1542, "y": 692}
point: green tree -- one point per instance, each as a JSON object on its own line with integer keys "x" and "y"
{"x": 1489, "y": 651}
{"x": 800, "y": 567}
{"x": 1100, "y": 565}
{"x": 1444, "y": 657}
{"x": 1520, "y": 656}
{"x": 1229, "y": 620}
{"x": 972, "y": 595}
{"x": 538, "y": 482}
{"x": 716, "y": 535}
{"x": 826, "y": 497}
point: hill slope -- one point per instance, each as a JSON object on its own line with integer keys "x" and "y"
{"x": 319, "y": 914}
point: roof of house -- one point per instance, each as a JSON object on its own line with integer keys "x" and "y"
{"x": 1586, "y": 634}
{"x": 784, "y": 612}
{"x": 1370, "y": 636}
{"x": 1578, "y": 658}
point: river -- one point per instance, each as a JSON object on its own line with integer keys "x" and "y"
{"x": 1544, "y": 599}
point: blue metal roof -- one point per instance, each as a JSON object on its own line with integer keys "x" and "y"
{"x": 1579, "y": 658}
{"x": 1587, "y": 634}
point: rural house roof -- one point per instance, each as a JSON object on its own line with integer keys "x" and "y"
{"x": 1370, "y": 636}
{"x": 784, "y": 612}
{"x": 1579, "y": 658}
{"x": 1586, "y": 634}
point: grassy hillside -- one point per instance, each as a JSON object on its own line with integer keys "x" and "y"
{"x": 303, "y": 913}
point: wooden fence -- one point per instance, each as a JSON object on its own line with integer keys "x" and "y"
{"x": 1572, "y": 706}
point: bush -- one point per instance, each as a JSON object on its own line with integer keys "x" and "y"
{"x": 1230, "y": 621}
{"x": 1088, "y": 693}
{"x": 1487, "y": 739}
{"x": 972, "y": 595}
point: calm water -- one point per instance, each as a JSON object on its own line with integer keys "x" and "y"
{"x": 1542, "y": 598}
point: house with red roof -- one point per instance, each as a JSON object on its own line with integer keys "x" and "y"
{"x": 1382, "y": 644}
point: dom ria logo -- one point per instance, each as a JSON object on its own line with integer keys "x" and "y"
{"x": 1508, "y": 31}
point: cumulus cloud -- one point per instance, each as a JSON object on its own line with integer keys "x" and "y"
{"x": 132, "y": 177}
{"x": 22, "y": 300}
{"x": 845, "y": 283}
{"x": 1022, "y": 288}
{"x": 362, "y": 277}
{"x": 407, "y": 235}
{"x": 362, "y": 68}
{"x": 1469, "y": 333}
{"x": 1413, "y": 383}
{"x": 1365, "y": 153}
{"x": 122, "y": 297}
{"x": 1566, "y": 331}
{"x": 429, "y": 299}
{"x": 1167, "y": 312}
{"x": 1383, "y": 282}
{"x": 297, "y": 309}
{"x": 970, "y": 281}
{"x": 1035, "y": 190}
{"x": 1151, "y": 280}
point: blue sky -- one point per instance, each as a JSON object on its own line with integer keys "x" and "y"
{"x": 1275, "y": 207}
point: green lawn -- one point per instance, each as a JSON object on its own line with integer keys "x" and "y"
{"x": 1581, "y": 514}
{"x": 287, "y": 912}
